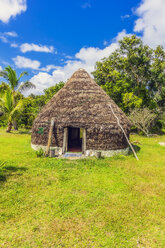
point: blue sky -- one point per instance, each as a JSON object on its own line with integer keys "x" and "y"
{"x": 51, "y": 39}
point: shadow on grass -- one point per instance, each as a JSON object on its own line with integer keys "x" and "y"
{"x": 136, "y": 148}
{"x": 28, "y": 131}
{"x": 9, "y": 170}
{"x": 21, "y": 131}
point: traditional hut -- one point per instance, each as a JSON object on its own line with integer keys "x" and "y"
{"x": 85, "y": 120}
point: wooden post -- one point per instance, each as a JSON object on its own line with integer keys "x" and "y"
{"x": 50, "y": 136}
{"x": 52, "y": 153}
{"x": 84, "y": 141}
{"x": 98, "y": 154}
{"x": 65, "y": 140}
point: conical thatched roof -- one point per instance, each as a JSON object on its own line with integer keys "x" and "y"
{"x": 82, "y": 103}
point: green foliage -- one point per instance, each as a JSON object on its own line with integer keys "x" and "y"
{"x": 30, "y": 105}
{"x": 131, "y": 101}
{"x": 40, "y": 153}
{"x": 133, "y": 76}
{"x": 9, "y": 110}
{"x": 11, "y": 96}
{"x": 13, "y": 81}
{"x": 157, "y": 82}
{"x": 28, "y": 114}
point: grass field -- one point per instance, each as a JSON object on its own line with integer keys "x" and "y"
{"x": 112, "y": 202}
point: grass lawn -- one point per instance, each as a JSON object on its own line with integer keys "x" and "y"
{"x": 111, "y": 202}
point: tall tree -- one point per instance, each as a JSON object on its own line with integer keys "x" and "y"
{"x": 8, "y": 109}
{"x": 13, "y": 82}
{"x": 157, "y": 81}
{"x": 133, "y": 74}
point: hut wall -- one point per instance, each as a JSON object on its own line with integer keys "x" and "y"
{"x": 40, "y": 134}
{"x": 97, "y": 139}
{"x": 110, "y": 139}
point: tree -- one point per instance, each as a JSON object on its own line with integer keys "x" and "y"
{"x": 7, "y": 107}
{"x": 143, "y": 119}
{"x": 133, "y": 75}
{"x": 28, "y": 113}
{"x": 16, "y": 88}
{"x": 157, "y": 81}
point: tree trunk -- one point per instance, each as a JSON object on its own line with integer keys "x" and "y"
{"x": 9, "y": 127}
{"x": 15, "y": 125}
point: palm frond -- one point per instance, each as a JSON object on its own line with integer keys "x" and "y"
{"x": 17, "y": 110}
{"x": 4, "y": 74}
{"x": 12, "y": 77}
{"x": 2, "y": 102}
{"x": 3, "y": 87}
{"x": 9, "y": 101}
{"x": 17, "y": 95}
{"x": 3, "y": 110}
{"x": 22, "y": 74}
{"x": 26, "y": 86}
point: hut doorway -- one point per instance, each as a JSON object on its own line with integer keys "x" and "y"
{"x": 74, "y": 139}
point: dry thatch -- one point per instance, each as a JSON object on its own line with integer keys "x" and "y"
{"x": 82, "y": 103}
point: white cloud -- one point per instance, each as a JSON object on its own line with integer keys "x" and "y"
{"x": 14, "y": 45}
{"x": 125, "y": 17}
{"x": 11, "y": 8}
{"x": 85, "y": 58}
{"x": 11, "y": 34}
{"x": 48, "y": 68}
{"x": 26, "y": 47}
{"x": 22, "y": 62}
{"x": 0, "y": 68}
{"x": 42, "y": 81}
{"x": 68, "y": 57}
{"x": 105, "y": 43}
{"x": 151, "y": 22}
{"x": 4, "y": 36}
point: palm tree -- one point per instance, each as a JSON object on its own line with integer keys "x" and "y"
{"x": 7, "y": 108}
{"x": 13, "y": 83}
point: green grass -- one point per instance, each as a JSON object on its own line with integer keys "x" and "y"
{"x": 112, "y": 202}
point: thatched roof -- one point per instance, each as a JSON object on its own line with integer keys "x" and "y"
{"x": 82, "y": 103}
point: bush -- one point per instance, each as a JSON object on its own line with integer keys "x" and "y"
{"x": 40, "y": 153}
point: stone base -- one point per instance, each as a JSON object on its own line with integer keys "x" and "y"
{"x": 88, "y": 153}
{"x": 108, "y": 153}
{"x": 58, "y": 150}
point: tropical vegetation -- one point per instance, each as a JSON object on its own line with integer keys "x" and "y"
{"x": 10, "y": 92}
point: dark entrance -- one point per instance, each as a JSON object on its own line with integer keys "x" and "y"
{"x": 74, "y": 140}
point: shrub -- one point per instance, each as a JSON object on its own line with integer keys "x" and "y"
{"x": 143, "y": 119}
{"x": 40, "y": 153}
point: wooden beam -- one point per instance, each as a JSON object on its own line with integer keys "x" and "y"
{"x": 65, "y": 140}
{"x": 50, "y": 136}
{"x": 84, "y": 141}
